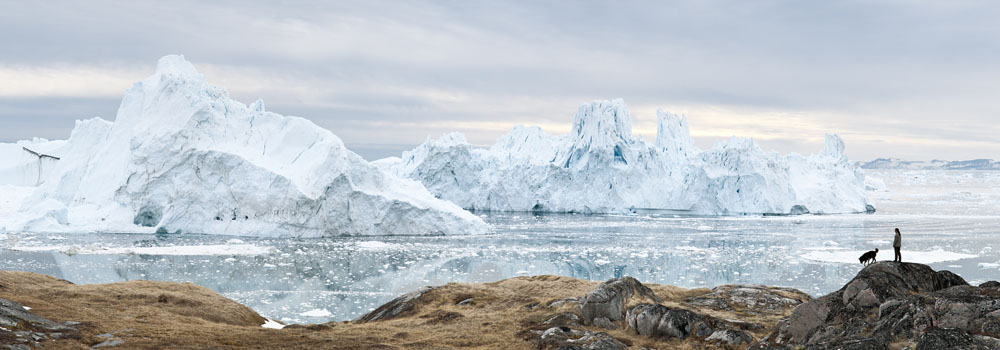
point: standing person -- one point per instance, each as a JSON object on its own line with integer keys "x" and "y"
{"x": 895, "y": 245}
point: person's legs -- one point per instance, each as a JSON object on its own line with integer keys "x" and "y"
{"x": 898, "y": 258}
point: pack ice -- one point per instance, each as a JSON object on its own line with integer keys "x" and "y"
{"x": 601, "y": 168}
{"x": 181, "y": 156}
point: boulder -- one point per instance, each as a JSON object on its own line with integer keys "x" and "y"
{"x": 22, "y": 329}
{"x": 608, "y": 299}
{"x": 565, "y": 338}
{"x": 990, "y": 284}
{"x": 751, "y": 298}
{"x": 952, "y": 339}
{"x": 730, "y": 337}
{"x": 658, "y": 321}
{"x": 395, "y": 307}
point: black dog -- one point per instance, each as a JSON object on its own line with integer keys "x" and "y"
{"x": 868, "y": 257}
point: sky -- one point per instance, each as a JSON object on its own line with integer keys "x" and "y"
{"x": 907, "y": 79}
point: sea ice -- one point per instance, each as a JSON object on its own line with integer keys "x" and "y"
{"x": 316, "y": 313}
{"x": 181, "y": 156}
{"x": 601, "y": 168}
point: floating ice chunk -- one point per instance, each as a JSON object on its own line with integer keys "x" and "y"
{"x": 989, "y": 265}
{"x": 316, "y": 313}
{"x": 376, "y": 245}
{"x": 182, "y": 156}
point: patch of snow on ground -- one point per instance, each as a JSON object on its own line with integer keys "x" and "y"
{"x": 851, "y": 256}
{"x": 272, "y": 324}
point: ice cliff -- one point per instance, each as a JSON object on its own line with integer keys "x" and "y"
{"x": 601, "y": 168}
{"x": 181, "y": 156}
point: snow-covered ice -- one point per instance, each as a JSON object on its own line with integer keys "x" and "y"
{"x": 316, "y": 313}
{"x": 851, "y": 256}
{"x": 601, "y": 168}
{"x": 181, "y": 156}
{"x": 207, "y": 249}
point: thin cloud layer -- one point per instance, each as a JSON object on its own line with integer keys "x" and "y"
{"x": 894, "y": 78}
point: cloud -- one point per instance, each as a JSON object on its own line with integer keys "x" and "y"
{"x": 893, "y": 77}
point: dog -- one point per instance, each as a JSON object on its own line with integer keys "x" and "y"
{"x": 868, "y": 257}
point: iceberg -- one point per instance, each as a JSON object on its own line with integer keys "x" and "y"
{"x": 601, "y": 168}
{"x": 181, "y": 156}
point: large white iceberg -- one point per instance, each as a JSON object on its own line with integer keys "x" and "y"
{"x": 600, "y": 168}
{"x": 181, "y": 156}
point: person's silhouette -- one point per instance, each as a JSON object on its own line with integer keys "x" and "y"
{"x": 895, "y": 245}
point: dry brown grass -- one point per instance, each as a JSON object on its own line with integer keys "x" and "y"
{"x": 150, "y": 315}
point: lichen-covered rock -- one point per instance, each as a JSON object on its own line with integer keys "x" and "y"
{"x": 892, "y": 302}
{"x": 565, "y": 319}
{"x": 567, "y": 338}
{"x": 394, "y": 308}
{"x": 990, "y": 284}
{"x": 730, "y": 337}
{"x": 658, "y": 321}
{"x": 952, "y": 339}
{"x": 751, "y": 298}
{"x": 20, "y": 328}
{"x": 608, "y": 299}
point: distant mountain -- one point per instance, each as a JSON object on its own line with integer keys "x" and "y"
{"x": 895, "y": 163}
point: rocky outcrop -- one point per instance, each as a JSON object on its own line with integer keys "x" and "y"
{"x": 395, "y": 307}
{"x": 606, "y": 304}
{"x": 895, "y": 303}
{"x": 752, "y": 298}
{"x": 658, "y": 321}
{"x": 564, "y": 338}
{"x": 21, "y": 329}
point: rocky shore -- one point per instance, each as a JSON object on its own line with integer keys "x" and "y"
{"x": 886, "y": 306}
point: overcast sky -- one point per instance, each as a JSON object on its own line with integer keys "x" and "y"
{"x": 904, "y": 79}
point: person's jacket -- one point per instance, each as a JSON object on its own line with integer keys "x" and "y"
{"x": 896, "y": 241}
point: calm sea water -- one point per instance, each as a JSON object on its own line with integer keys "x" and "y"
{"x": 949, "y": 219}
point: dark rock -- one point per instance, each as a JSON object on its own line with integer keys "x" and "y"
{"x": 661, "y": 321}
{"x": 565, "y": 319}
{"x": 753, "y": 299}
{"x": 730, "y": 337}
{"x": 22, "y": 329}
{"x": 848, "y": 310}
{"x": 604, "y": 323}
{"x": 952, "y": 339}
{"x": 990, "y": 284}
{"x": 566, "y": 338}
{"x": 608, "y": 299}
{"x": 891, "y": 302}
{"x": 396, "y": 307}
